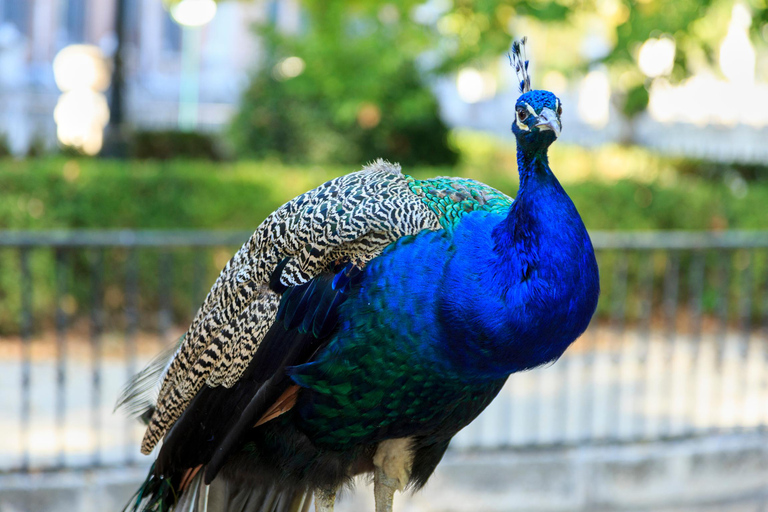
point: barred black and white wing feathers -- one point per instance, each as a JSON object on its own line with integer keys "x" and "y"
{"x": 350, "y": 218}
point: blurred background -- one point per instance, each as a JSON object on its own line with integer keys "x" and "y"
{"x": 143, "y": 141}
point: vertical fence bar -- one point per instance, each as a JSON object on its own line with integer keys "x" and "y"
{"x": 165, "y": 285}
{"x": 586, "y": 376}
{"x": 763, "y": 327}
{"x": 723, "y": 278}
{"x": 670, "y": 301}
{"x": 198, "y": 274}
{"x": 619, "y": 295}
{"x": 618, "y": 316}
{"x": 97, "y": 329}
{"x": 26, "y": 356}
{"x": 534, "y": 412}
{"x": 744, "y": 261}
{"x": 696, "y": 278}
{"x": 746, "y": 392}
{"x": 645, "y": 290}
{"x": 131, "y": 328}
{"x": 561, "y": 405}
{"x": 723, "y": 306}
{"x": 591, "y": 360}
{"x": 62, "y": 260}
{"x": 671, "y": 288}
{"x": 723, "y": 300}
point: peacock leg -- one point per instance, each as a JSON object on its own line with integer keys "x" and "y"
{"x": 384, "y": 489}
{"x": 392, "y": 462}
{"x": 324, "y": 500}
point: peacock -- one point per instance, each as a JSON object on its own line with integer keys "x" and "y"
{"x": 361, "y": 327}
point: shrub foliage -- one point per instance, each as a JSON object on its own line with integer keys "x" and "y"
{"x": 107, "y": 194}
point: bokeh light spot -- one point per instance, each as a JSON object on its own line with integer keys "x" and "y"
{"x": 368, "y": 116}
{"x": 193, "y": 13}
{"x": 594, "y": 98}
{"x": 657, "y": 56}
{"x": 290, "y": 67}
{"x": 474, "y": 85}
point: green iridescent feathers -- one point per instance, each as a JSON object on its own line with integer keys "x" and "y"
{"x": 452, "y": 198}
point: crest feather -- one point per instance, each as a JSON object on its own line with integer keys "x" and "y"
{"x": 518, "y": 59}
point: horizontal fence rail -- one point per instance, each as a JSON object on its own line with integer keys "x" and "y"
{"x": 679, "y": 239}
{"x": 678, "y": 347}
{"x": 121, "y": 238}
{"x": 600, "y": 239}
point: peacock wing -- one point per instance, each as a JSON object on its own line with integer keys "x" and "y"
{"x": 350, "y": 218}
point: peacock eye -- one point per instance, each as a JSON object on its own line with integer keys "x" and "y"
{"x": 522, "y": 114}
{"x": 559, "y": 110}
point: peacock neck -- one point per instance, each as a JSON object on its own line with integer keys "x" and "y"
{"x": 533, "y": 167}
{"x": 544, "y": 272}
{"x": 531, "y": 215}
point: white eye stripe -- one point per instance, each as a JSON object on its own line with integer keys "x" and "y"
{"x": 519, "y": 121}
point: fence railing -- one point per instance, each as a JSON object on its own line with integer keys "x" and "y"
{"x": 678, "y": 347}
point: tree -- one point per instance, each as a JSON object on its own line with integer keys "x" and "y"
{"x": 345, "y": 89}
{"x": 366, "y": 60}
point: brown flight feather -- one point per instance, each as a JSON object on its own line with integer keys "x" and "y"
{"x": 189, "y": 474}
{"x": 282, "y": 405}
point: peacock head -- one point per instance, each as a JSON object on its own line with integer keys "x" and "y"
{"x": 537, "y": 113}
{"x": 537, "y": 118}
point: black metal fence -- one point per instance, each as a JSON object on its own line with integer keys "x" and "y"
{"x": 66, "y": 350}
{"x": 677, "y": 349}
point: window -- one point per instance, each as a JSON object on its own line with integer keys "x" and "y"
{"x": 16, "y": 13}
{"x": 171, "y": 34}
{"x": 131, "y": 21}
{"x": 74, "y": 20}
{"x": 273, "y": 12}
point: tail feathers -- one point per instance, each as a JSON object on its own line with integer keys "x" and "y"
{"x": 156, "y": 494}
{"x": 139, "y": 396}
{"x": 159, "y": 494}
{"x": 225, "y": 495}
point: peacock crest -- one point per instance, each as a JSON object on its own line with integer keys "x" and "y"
{"x": 518, "y": 59}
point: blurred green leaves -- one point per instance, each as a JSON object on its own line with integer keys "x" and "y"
{"x": 361, "y": 91}
{"x": 345, "y": 89}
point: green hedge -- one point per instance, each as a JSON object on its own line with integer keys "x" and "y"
{"x": 87, "y": 193}
{"x": 60, "y": 193}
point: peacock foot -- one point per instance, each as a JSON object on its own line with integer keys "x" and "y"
{"x": 324, "y": 500}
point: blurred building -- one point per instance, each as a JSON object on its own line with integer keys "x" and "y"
{"x": 685, "y": 119}
{"x": 33, "y": 31}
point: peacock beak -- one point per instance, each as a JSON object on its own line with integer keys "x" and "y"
{"x": 548, "y": 121}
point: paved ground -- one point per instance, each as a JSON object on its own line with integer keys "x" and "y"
{"x": 607, "y": 387}
{"x": 625, "y": 387}
{"x": 711, "y": 474}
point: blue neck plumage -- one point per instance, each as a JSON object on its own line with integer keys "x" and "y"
{"x": 540, "y": 205}
{"x": 545, "y": 270}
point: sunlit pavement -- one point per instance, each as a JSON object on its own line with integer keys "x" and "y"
{"x": 633, "y": 421}
{"x": 711, "y": 474}
{"x": 601, "y": 390}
